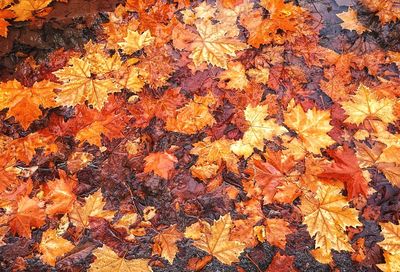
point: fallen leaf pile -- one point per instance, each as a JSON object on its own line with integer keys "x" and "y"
{"x": 227, "y": 135}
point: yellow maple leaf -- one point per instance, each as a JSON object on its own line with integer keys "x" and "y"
{"x": 5, "y": 3}
{"x": 235, "y": 76}
{"x": 311, "y": 126}
{"x": 350, "y": 21}
{"x": 53, "y": 246}
{"x": 23, "y": 103}
{"x": 135, "y": 41}
{"x": 391, "y": 233}
{"x": 259, "y": 74}
{"x": 215, "y": 152}
{"x": 215, "y": 239}
{"x": 93, "y": 207}
{"x": 25, "y": 9}
{"x": 392, "y": 263}
{"x": 213, "y": 46}
{"x": 79, "y": 86}
{"x": 107, "y": 260}
{"x": 132, "y": 78}
{"x": 100, "y": 62}
{"x": 327, "y": 215}
{"x": 365, "y": 104}
{"x": 165, "y": 243}
{"x": 259, "y": 129}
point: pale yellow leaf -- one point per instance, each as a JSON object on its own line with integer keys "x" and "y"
{"x": 213, "y": 46}
{"x": 79, "y": 86}
{"x": 311, "y": 126}
{"x": 391, "y": 233}
{"x": 135, "y": 41}
{"x": 365, "y": 104}
{"x": 327, "y": 214}
{"x": 259, "y": 129}
{"x": 107, "y": 260}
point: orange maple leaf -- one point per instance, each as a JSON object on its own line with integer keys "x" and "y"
{"x": 5, "y": 14}
{"x": 29, "y": 214}
{"x": 59, "y": 194}
{"x": 162, "y": 164}
{"x": 23, "y": 102}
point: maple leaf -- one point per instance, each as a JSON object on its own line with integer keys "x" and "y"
{"x": 24, "y": 148}
{"x": 53, "y": 246}
{"x": 79, "y": 86}
{"x": 8, "y": 173}
{"x": 25, "y": 9}
{"x": 215, "y": 152}
{"x": 162, "y": 164}
{"x": 391, "y": 233}
{"x": 108, "y": 260}
{"x": 59, "y": 194}
{"x": 213, "y": 46}
{"x": 259, "y": 74}
{"x": 135, "y": 41}
{"x": 214, "y": 239}
{"x": 5, "y": 14}
{"x": 392, "y": 263}
{"x": 24, "y": 103}
{"x": 350, "y": 21}
{"x": 235, "y": 76}
{"x": 163, "y": 107}
{"x": 384, "y": 158}
{"x": 269, "y": 179}
{"x": 78, "y": 160}
{"x": 327, "y": 215}
{"x": 387, "y": 10}
{"x": 157, "y": 65}
{"x": 165, "y": 243}
{"x": 193, "y": 117}
{"x": 259, "y": 129}
{"x": 89, "y": 124}
{"x": 281, "y": 263}
{"x": 365, "y": 104}
{"x": 131, "y": 78}
{"x": 100, "y": 62}
{"x": 346, "y": 169}
{"x": 93, "y": 207}
{"x": 260, "y": 30}
{"x": 29, "y": 214}
{"x": 274, "y": 231}
{"x": 311, "y": 126}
